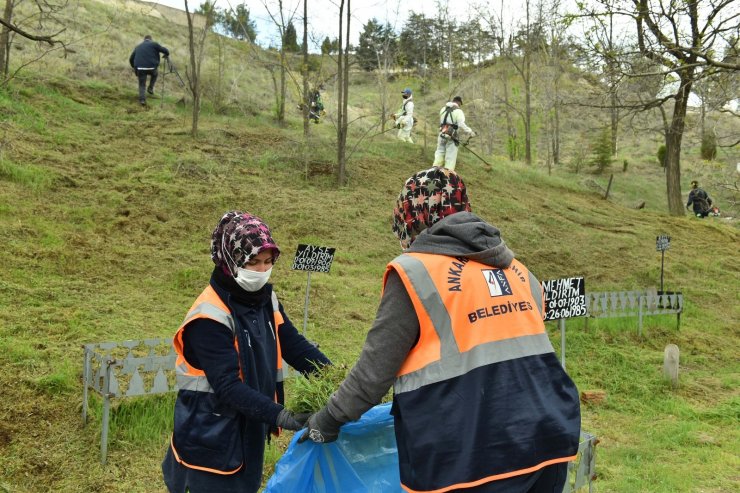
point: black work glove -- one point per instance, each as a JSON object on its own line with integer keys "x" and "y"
{"x": 321, "y": 428}
{"x": 287, "y": 420}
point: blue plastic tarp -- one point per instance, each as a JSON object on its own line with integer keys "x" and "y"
{"x": 363, "y": 460}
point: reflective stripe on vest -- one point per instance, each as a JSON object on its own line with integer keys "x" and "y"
{"x": 200, "y": 468}
{"x": 209, "y": 305}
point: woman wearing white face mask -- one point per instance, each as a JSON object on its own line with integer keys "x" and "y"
{"x": 229, "y": 366}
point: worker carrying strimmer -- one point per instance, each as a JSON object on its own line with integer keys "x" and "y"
{"x": 405, "y": 117}
{"x": 452, "y": 129}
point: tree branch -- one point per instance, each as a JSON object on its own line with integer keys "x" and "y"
{"x": 729, "y": 145}
{"x": 44, "y": 39}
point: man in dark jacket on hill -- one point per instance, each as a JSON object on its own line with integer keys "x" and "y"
{"x": 145, "y": 60}
{"x": 699, "y": 199}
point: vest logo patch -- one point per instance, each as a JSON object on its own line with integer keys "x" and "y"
{"x": 497, "y": 283}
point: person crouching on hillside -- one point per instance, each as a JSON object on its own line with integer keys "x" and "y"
{"x": 702, "y": 203}
{"x": 145, "y": 60}
{"x": 230, "y": 350}
{"x": 481, "y": 403}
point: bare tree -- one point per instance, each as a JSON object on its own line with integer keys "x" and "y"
{"x": 602, "y": 40}
{"x": 681, "y": 41}
{"x": 304, "y": 73}
{"x": 554, "y": 52}
{"x": 377, "y": 50}
{"x": 342, "y": 94}
{"x": 281, "y": 21}
{"x": 447, "y": 27}
{"x": 521, "y": 60}
{"x": 196, "y": 48}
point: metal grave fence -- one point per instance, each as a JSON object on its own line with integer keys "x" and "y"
{"x": 611, "y": 304}
{"x": 126, "y": 369}
{"x": 582, "y": 471}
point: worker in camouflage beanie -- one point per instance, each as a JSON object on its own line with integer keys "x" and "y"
{"x": 427, "y": 197}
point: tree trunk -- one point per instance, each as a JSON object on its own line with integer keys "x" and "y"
{"x": 673, "y": 145}
{"x": 383, "y": 86}
{"x": 5, "y": 39}
{"x": 281, "y": 100}
{"x": 527, "y": 75}
{"x": 342, "y": 93}
{"x": 219, "y": 93}
{"x": 196, "y": 114}
{"x": 306, "y": 96}
{"x": 449, "y": 54}
{"x": 556, "y": 118}
{"x": 511, "y": 142}
{"x": 194, "y": 73}
{"x": 614, "y": 111}
{"x": 528, "y": 109}
{"x": 613, "y": 84}
{"x": 345, "y": 98}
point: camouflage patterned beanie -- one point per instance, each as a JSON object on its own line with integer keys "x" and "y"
{"x": 238, "y": 238}
{"x": 427, "y": 197}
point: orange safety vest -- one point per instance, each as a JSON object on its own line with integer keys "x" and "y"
{"x": 481, "y": 396}
{"x": 190, "y": 379}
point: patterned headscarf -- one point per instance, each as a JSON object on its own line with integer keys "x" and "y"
{"x": 238, "y": 238}
{"x": 427, "y": 197}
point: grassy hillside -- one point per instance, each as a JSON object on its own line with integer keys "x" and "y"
{"x": 105, "y": 217}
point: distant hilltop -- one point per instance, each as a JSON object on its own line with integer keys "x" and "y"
{"x": 155, "y": 9}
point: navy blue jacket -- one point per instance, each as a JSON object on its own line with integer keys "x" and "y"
{"x": 146, "y": 55}
{"x": 700, "y": 200}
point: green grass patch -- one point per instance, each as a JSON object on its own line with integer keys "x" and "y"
{"x": 60, "y": 381}
{"x": 32, "y": 177}
{"x": 135, "y": 421}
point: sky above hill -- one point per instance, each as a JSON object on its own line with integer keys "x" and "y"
{"x": 323, "y": 15}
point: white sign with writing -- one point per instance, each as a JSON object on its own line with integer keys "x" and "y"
{"x": 313, "y": 258}
{"x": 565, "y": 298}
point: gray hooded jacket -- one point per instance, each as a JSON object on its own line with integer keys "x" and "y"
{"x": 396, "y": 327}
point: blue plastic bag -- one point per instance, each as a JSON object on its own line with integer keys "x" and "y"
{"x": 363, "y": 460}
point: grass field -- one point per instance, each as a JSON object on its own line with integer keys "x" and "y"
{"x": 106, "y": 212}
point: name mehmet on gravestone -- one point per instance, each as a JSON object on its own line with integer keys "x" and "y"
{"x": 564, "y": 298}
